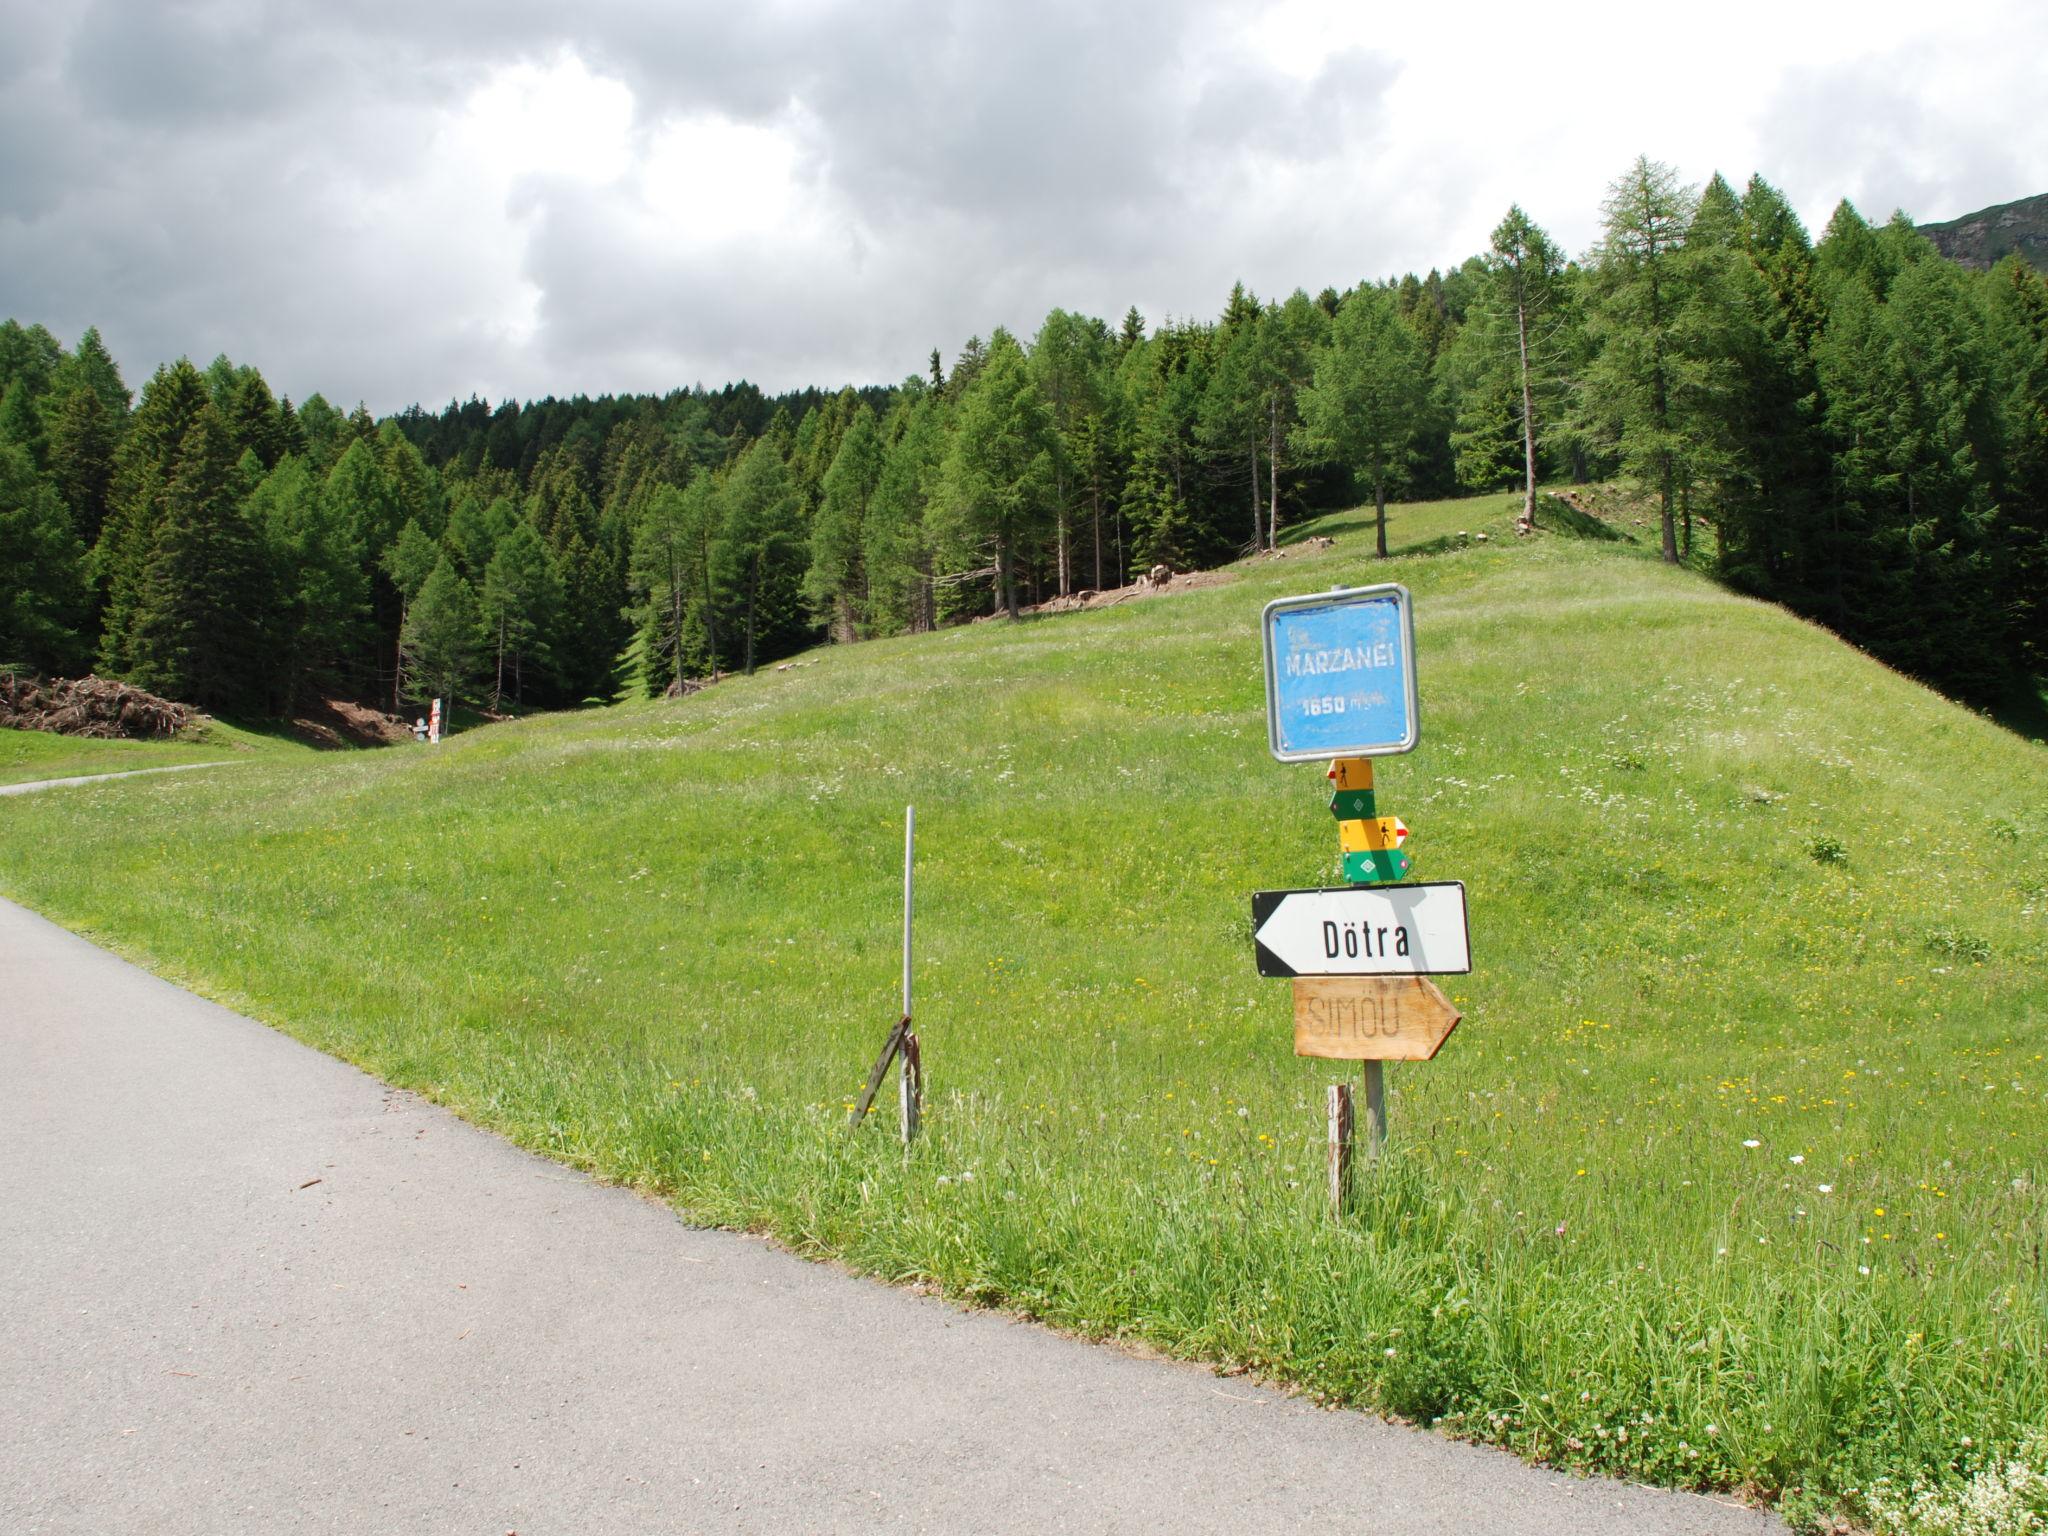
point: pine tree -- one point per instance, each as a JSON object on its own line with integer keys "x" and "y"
{"x": 441, "y": 644}
{"x": 202, "y": 608}
{"x": 42, "y": 573}
{"x": 1360, "y": 408}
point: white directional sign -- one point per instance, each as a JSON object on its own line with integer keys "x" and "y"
{"x": 1363, "y": 930}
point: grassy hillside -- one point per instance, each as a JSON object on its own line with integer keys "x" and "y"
{"x": 1732, "y": 1176}
{"x": 29, "y": 755}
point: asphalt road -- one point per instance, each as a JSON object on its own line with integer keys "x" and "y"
{"x": 246, "y": 1288}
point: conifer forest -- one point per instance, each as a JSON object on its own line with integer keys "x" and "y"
{"x": 1852, "y": 426}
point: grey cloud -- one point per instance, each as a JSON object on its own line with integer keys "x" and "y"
{"x": 1861, "y": 131}
{"x": 222, "y": 175}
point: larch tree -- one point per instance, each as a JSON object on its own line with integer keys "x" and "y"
{"x": 1360, "y": 408}
{"x": 761, "y": 528}
{"x": 521, "y": 601}
{"x": 1523, "y": 267}
{"x": 998, "y": 480}
{"x": 1639, "y": 288}
{"x": 442, "y": 642}
{"x": 836, "y": 584}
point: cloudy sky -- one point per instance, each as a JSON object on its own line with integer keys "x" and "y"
{"x": 397, "y": 202}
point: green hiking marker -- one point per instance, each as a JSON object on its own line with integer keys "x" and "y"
{"x": 1377, "y": 866}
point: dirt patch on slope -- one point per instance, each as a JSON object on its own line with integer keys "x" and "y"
{"x": 338, "y": 723}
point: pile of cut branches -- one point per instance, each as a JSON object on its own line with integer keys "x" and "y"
{"x": 90, "y": 706}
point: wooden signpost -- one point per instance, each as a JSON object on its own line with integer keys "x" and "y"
{"x": 1340, "y": 686}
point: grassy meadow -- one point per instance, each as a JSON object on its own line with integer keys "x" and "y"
{"x": 30, "y": 755}
{"x": 1732, "y": 1177}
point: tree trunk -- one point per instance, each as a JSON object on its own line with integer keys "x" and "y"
{"x": 753, "y": 602}
{"x": 710, "y": 620}
{"x": 1095, "y": 504}
{"x": 1273, "y": 479}
{"x": 1379, "y": 503}
{"x": 1060, "y": 520}
{"x": 1528, "y": 523}
{"x": 1667, "y": 498}
{"x": 1258, "y": 531}
{"x": 1685, "y": 511}
{"x": 675, "y": 618}
{"x": 1006, "y": 577}
{"x": 398, "y": 656}
{"x": 498, "y": 688}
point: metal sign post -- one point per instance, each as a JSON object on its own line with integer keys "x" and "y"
{"x": 1340, "y": 686}
{"x": 902, "y": 1039}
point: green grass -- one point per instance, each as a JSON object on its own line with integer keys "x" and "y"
{"x": 1730, "y": 882}
{"x": 31, "y": 755}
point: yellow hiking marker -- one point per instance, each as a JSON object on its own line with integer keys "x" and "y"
{"x": 1382, "y": 834}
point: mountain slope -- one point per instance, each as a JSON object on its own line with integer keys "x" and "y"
{"x": 1983, "y": 238}
{"x": 1738, "y": 1148}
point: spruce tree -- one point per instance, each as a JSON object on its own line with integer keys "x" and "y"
{"x": 21, "y": 424}
{"x": 83, "y": 441}
{"x": 93, "y": 367}
{"x": 202, "y": 607}
{"x": 42, "y": 573}
{"x": 144, "y": 466}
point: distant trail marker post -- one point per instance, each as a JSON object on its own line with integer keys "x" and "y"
{"x": 434, "y": 724}
{"x": 1340, "y": 687}
{"x": 902, "y": 1039}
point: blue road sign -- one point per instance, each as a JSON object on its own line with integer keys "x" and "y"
{"x": 1340, "y": 674}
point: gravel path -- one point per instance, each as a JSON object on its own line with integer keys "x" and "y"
{"x": 100, "y": 778}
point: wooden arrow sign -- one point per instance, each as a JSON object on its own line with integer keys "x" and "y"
{"x": 1381, "y": 832}
{"x": 1371, "y": 1018}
